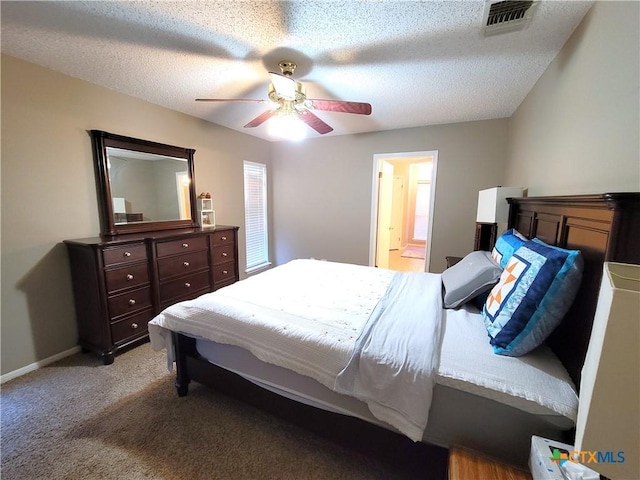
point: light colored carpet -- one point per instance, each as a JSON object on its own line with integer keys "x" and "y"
{"x": 413, "y": 251}
{"x": 78, "y": 419}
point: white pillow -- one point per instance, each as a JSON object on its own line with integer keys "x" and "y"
{"x": 475, "y": 274}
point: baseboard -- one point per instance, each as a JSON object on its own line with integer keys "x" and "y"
{"x": 35, "y": 366}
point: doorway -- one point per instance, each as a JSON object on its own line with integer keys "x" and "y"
{"x": 184, "y": 200}
{"x": 402, "y": 207}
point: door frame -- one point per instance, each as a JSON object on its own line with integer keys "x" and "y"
{"x": 378, "y": 159}
{"x": 397, "y": 212}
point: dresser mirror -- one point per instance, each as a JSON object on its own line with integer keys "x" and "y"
{"x": 142, "y": 185}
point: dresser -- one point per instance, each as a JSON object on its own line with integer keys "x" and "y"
{"x": 122, "y": 282}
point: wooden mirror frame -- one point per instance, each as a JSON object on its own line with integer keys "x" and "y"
{"x": 100, "y": 141}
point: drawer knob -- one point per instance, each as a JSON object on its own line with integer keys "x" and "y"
{"x": 132, "y": 301}
{"x": 186, "y": 264}
{"x": 224, "y": 254}
{"x": 129, "y": 276}
{"x": 185, "y": 245}
{"x": 187, "y": 284}
{"x": 134, "y": 326}
{"x": 224, "y": 272}
{"x": 223, "y": 238}
{"x": 127, "y": 254}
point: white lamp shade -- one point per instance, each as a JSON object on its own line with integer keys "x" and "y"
{"x": 493, "y": 206}
{"x": 119, "y": 205}
{"x": 608, "y": 412}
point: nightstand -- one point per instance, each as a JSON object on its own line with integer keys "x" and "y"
{"x": 467, "y": 465}
{"x": 451, "y": 261}
{"x": 486, "y": 234}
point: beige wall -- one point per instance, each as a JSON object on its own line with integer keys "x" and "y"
{"x": 578, "y": 129}
{"x": 49, "y": 194}
{"x": 322, "y": 188}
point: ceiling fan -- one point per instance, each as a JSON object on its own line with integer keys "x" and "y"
{"x": 291, "y": 99}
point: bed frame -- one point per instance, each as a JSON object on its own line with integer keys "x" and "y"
{"x": 604, "y": 227}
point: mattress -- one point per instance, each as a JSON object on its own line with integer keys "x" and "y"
{"x": 282, "y": 381}
{"x": 536, "y": 384}
{"x": 310, "y": 326}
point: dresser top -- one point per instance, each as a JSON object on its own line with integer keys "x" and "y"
{"x": 103, "y": 241}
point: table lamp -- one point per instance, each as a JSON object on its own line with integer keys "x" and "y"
{"x": 608, "y": 424}
{"x": 492, "y": 210}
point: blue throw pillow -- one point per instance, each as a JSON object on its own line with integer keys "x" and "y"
{"x": 535, "y": 290}
{"x": 506, "y": 245}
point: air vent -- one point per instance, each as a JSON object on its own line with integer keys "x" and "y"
{"x": 506, "y": 16}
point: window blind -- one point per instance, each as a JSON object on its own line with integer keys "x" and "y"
{"x": 255, "y": 214}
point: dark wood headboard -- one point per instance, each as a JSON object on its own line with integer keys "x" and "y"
{"x": 604, "y": 228}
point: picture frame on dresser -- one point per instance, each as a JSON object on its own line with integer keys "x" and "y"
{"x": 126, "y": 275}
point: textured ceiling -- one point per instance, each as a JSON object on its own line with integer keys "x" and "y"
{"x": 417, "y": 63}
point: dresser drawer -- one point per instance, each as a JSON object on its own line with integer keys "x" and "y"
{"x": 131, "y": 327}
{"x": 222, "y": 254}
{"x": 186, "y": 245}
{"x": 127, "y": 277}
{"x": 222, "y": 237}
{"x": 182, "y": 264}
{"x": 127, "y": 253}
{"x": 184, "y": 287}
{"x": 224, "y": 273}
{"x": 129, "y": 302}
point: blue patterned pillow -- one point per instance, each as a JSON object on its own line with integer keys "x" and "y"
{"x": 506, "y": 245}
{"x": 534, "y": 293}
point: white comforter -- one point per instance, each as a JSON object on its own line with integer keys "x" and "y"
{"x": 370, "y": 333}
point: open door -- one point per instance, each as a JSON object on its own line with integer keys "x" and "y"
{"x": 184, "y": 202}
{"x": 385, "y": 197}
{"x": 419, "y": 231}
{"x": 397, "y": 213}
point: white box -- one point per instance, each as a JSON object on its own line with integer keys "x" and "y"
{"x": 493, "y": 206}
{"x": 207, "y": 218}
{"x": 540, "y": 463}
{"x": 543, "y": 466}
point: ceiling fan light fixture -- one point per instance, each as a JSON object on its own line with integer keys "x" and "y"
{"x": 285, "y": 88}
{"x": 287, "y": 126}
{"x": 287, "y": 67}
{"x": 291, "y": 110}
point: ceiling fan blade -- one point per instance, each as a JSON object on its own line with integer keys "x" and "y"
{"x": 283, "y": 85}
{"x": 314, "y": 122}
{"x": 344, "y": 107}
{"x": 260, "y": 119}
{"x": 244, "y": 100}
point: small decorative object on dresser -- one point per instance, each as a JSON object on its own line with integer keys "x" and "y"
{"x": 492, "y": 210}
{"x": 206, "y": 213}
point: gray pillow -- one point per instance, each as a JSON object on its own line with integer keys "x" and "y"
{"x": 476, "y": 273}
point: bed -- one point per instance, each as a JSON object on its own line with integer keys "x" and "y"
{"x": 379, "y": 345}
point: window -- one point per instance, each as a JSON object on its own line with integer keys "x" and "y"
{"x": 255, "y": 215}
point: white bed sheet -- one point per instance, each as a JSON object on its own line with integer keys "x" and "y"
{"x": 316, "y": 317}
{"x": 309, "y": 326}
